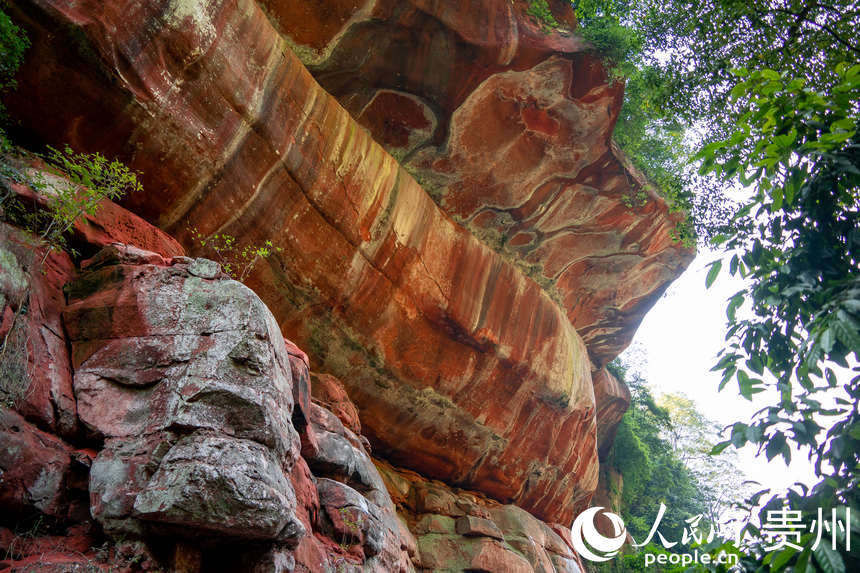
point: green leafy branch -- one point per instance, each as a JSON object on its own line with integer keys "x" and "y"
{"x": 236, "y": 260}
{"x": 796, "y": 243}
{"x": 74, "y": 185}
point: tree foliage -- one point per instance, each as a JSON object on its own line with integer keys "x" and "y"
{"x": 692, "y": 436}
{"x": 675, "y": 59}
{"x": 13, "y": 46}
{"x": 654, "y": 470}
{"x": 797, "y": 242}
{"x": 698, "y": 42}
{"x": 784, "y": 125}
{"x": 74, "y": 185}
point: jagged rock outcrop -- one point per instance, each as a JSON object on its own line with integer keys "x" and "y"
{"x": 184, "y": 403}
{"x": 186, "y": 379}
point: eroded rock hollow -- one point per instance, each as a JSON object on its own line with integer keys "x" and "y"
{"x": 454, "y": 256}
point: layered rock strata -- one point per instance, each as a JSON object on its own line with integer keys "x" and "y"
{"x": 508, "y": 125}
{"x": 420, "y": 319}
{"x": 465, "y": 314}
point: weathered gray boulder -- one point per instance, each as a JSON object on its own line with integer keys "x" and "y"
{"x": 222, "y": 485}
{"x": 186, "y": 376}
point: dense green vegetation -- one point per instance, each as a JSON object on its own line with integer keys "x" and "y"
{"x": 797, "y": 242}
{"x": 13, "y": 46}
{"x": 653, "y": 472}
{"x": 660, "y": 451}
{"x": 768, "y": 92}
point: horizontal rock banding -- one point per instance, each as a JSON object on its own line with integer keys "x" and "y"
{"x": 509, "y": 127}
{"x": 233, "y": 135}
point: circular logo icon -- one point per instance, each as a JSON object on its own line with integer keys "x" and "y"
{"x": 592, "y": 545}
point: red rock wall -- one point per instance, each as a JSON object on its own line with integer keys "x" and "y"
{"x": 464, "y": 314}
{"x": 180, "y": 452}
{"x": 420, "y": 319}
{"x": 197, "y": 440}
{"x": 508, "y": 126}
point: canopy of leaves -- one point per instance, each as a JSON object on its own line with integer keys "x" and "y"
{"x": 797, "y": 242}
{"x": 697, "y": 42}
{"x": 675, "y": 58}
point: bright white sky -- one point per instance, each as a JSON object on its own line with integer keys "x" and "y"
{"x": 680, "y": 338}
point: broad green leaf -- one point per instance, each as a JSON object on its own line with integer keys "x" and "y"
{"x": 778, "y": 196}
{"x": 827, "y": 559}
{"x": 727, "y": 375}
{"x": 846, "y": 124}
{"x": 745, "y": 384}
{"x": 739, "y": 90}
{"x": 734, "y": 303}
{"x": 717, "y": 449}
{"x": 781, "y": 559}
{"x": 754, "y": 363}
{"x": 713, "y": 273}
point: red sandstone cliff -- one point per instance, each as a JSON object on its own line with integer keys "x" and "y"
{"x": 450, "y": 213}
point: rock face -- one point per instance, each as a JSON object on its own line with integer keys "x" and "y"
{"x": 35, "y": 373}
{"x": 613, "y": 399}
{"x": 419, "y": 318}
{"x": 509, "y": 128}
{"x": 453, "y": 244}
{"x": 35, "y": 377}
{"x": 183, "y": 387}
{"x": 38, "y": 470}
{"x": 185, "y": 375}
{"x": 461, "y": 530}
